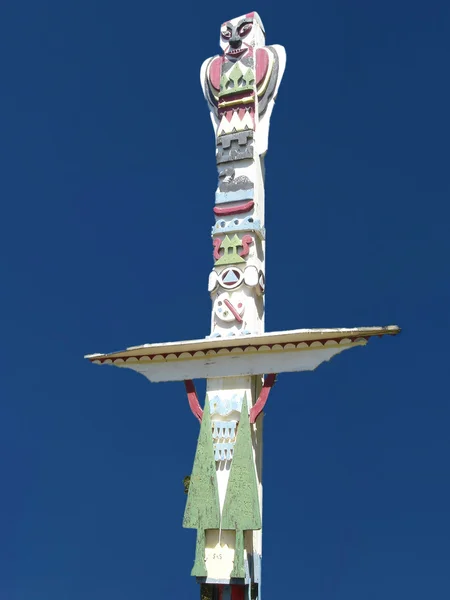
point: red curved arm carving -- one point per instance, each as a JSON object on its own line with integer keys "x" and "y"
{"x": 246, "y": 241}
{"x": 262, "y": 64}
{"x": 215, "y": 70}
{"x": 263, "y": 396}
{"x": 193, "y": 399}
{"x": 216, "y": 244}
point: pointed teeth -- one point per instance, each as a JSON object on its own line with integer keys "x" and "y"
{"x": 236, "y": 124}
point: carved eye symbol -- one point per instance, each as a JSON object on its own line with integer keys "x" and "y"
{"x": 244, "y": 29}
{"x": 226, "y": 34}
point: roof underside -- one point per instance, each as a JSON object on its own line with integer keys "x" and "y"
{"x": 280, "y": 337}
{"x": 216, "y": 357}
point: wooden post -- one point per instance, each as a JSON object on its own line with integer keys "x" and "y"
{"x": 240, "y": 87}
{"x": 225, "y": 488}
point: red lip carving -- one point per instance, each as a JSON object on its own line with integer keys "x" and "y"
{"x": 233, "y": 210}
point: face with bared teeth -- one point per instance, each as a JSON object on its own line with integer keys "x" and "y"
{"x": 237, "y": 36}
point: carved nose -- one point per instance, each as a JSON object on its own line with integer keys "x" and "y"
{"x": 235, "y": 42}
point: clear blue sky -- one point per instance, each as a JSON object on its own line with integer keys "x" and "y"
{"x": 107, "y": 187}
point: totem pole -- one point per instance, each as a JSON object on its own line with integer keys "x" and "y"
{"x": 224, "y": 502}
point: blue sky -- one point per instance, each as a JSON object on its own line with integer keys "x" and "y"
{"x": 107, "y": 188}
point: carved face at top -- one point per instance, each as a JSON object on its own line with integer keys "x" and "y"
{"x": 237, "y": 36}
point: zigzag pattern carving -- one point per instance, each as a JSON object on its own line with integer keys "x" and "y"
{"x": 236, "y": 123}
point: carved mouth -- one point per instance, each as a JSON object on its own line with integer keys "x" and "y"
{"x": 233, "y": 210}
{"x": 235, "y": 52}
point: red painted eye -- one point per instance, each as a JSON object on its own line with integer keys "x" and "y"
{"x": 245, "y": 29}
{"x": 226, "y": 34}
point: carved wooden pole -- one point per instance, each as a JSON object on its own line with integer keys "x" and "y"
{"x": 224, "y": 501}
{"x": 240, "y": 87}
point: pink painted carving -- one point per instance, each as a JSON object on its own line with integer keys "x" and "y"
{"x": 263, "y": 396}
{"x": 194, "y": 405}
{"x": 246, "y": 241}
{"x": 233, "y": 210}
{"x": 262, "y": 64}
{"x": 216, "y": 244}
{"x": 215, "y": 72}
{"x": 236, "y": 315}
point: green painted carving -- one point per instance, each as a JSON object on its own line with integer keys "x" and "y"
{"x": 230, "y": 255}
{"x": 199, "y": 569}
{"x": 235, "y": 81}
{"x": 238, "y": 564}
{"x": 249, "y": 78}
{"x": 202, "y": 507}
{"x": 223, "y": 84}
{"x": 241, "y": 508}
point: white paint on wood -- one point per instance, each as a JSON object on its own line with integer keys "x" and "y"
{"x": 294, "y": 336}
{"x": 237, "y": 364}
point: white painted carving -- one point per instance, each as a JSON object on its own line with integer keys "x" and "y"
{"x": 237, "y": 352}
{"x": 240, "y": 105}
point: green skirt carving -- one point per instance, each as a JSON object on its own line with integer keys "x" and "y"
{"x": 238, "y": 565}
{"x": 241, "y": 508}
{"x": 199, "y": 569}
{"x": 202, "y": 507}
